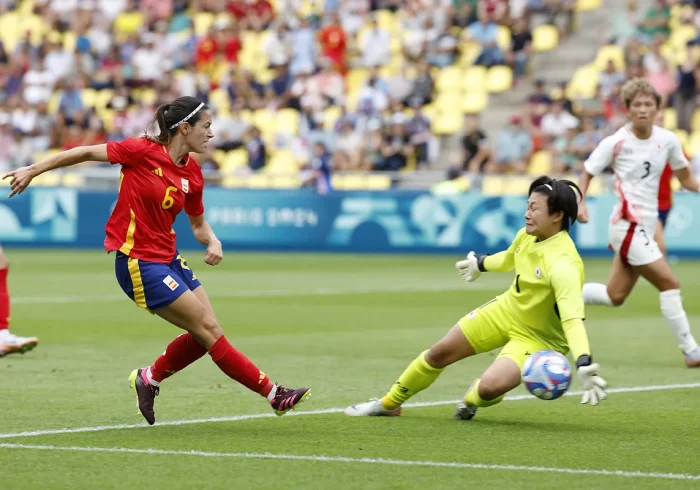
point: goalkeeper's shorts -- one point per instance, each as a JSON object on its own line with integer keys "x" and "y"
{"x": 492, "y": 326}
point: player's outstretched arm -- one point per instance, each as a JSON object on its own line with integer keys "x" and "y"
{"x": 206, "y": 236}
{"x": 22, "y": 177}
{"x": 471, "y": 268}
{"x": 687, "y": 179}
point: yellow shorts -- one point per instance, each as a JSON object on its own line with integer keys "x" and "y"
{"x": 492, "y": 326}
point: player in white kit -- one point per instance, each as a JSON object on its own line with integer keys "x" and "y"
{"x": 637, "y": 155}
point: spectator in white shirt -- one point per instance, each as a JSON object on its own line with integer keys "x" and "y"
{"x": 558, "y": 121}
{"x": 38, "y": 84}
{"x": 375, "y": 46}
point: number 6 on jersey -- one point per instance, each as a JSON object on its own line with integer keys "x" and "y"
{"x": 168, "y": 200}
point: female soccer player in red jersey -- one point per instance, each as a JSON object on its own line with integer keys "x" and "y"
{"x": 159, "y": 179}
{"x": 9, "y": 342}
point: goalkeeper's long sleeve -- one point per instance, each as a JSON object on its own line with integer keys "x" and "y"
{"x": 500, "y": 262}
{"x": 576, "y": 337}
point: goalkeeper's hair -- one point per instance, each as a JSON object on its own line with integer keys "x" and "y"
{"x": 563, "y": 196}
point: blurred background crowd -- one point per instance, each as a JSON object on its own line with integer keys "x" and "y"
{"x": 301, "y": 89}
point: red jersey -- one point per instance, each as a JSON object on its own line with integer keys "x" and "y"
{"x": 333, "y": 43}
{"x": 665, "y": 192}
{"x": 152, "y": 192}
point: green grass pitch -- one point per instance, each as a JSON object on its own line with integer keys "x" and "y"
{"x": 346, "y": 326}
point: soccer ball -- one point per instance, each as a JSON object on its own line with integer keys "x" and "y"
{"x": 547, "y": 374}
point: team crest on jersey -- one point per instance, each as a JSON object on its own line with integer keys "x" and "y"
{"x": 185, "y": 185}
{"x": 171, "y": 283}
{"x": 471, "y": 315}
{"x": 538, "y": 272}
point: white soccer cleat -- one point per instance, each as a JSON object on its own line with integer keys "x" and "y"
{"x": 692, "y": 358}
{"x": 11, "y": 343}
{"x": 372, "y": 408}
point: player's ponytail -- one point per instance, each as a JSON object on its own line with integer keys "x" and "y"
{"x": 563, "y": 196}
{"x": 169, "y": 117}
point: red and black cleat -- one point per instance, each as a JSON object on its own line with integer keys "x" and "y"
{"x": 145, "y": 394}
{"x": 286, "y": 399}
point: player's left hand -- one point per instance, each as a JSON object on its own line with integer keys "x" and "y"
{"x": 593, "y": 386}
{"x": 214, "y": 253}
{"x": 469, "y": 268}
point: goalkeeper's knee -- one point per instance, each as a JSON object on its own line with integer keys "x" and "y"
{"x": 484, "y": 395}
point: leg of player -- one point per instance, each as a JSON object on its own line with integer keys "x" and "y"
{"x": 502, "y": 376}
{"x": 190, "y": 314}
{"x": 659, "y": 274}
{"x": 419, "y": 375}
{"x": 10, "y": 343}
{"x": 620, "y": 284}
{"x": 659, "y": 237}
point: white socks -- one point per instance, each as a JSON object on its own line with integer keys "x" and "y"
{"x": 271, "y": 395}
{"x": 149, "y": 376}
{"x": 595, "y": 293}
{"x": 673, "y": 312}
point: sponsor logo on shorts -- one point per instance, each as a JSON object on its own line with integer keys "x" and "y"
{"x": 171, "y": 283}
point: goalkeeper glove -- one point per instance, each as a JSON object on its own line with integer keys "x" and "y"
{"x": 592, "y": 385}
{"x": 471, "y": 268}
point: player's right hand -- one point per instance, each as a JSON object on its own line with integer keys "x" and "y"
{"x": 582, "y": 216}
{"x": 469, "y": 269}
{"x": 20, "y": 180}
{"x": 592, "y": 385}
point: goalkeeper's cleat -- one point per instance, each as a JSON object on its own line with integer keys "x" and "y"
{"x": 287, "y": 399}
{"x": 692, "y": 358}
{"x": 372, "y": 408}
{"x": 13, "y": 344}
{"x": 465, "y": 411}
{"x": 145, "y": 394}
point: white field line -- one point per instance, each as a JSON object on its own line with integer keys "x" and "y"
{"x": 376, "y": 461}
{"x": 261, "y": 293}
{"x": 237, "y": 418}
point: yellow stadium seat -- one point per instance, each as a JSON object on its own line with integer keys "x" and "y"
{"x": 499, "y": 79}
{"x": 102, "y": 98}
{"x": 387, "y": 20}
{"x": 670, "y": 119}
{"x": 448, "y": 122}
{"x": 695, "y": 124}
{"x": 449, "y": 79}
{"x": 73, "y": 179}
{"x": 504, "y": 38}
{"x": 610, "y": 52}
{"x": 265, "y": 120}
{"x": 88, "y": 96}
{"x": 431, "y": 111}
{"x": 259, "y": 181}
{"x": 683, "y": 137}
{"x": 475, "y": 102}
{"x": 583, "y": 83}
{"x": 281, "y": 162}
{"x": 378, "y": 182}
{"x": 287, "y": 121}
{"x": 54, "y": 102}
{"x": 588, "y": 5}
{"x": 469, "y": 52}
{"x": 540, "y": 163}
{"x": 675, "y": 184}
{"x": 234, "y": 159}
{"x": 493, "y": 185}
{"x": 694, "y": 144}
{"x": 47, "y": 179}
{"x": 235, "y": 181}
{"x": 447, "y": 102}
{"x": 545, "y": 37}
{"x": 69, "y": 41}
{"x": 285, "y": 182}
{"x": 202, "y": 22}
{"x": 356, "y": 79}
{"x": 220, "y": 100}
{"x": 475, "y": 78}
{"x": 330, "y": 116}
{"x": 595, "y": 188}
{"x": 681, "y": 35}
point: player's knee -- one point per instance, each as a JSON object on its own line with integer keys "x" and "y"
{"x": 617, "y": 298}
{"x": 211, "y": 326}
{"x": 670, "y": 283}
{"x": 491, "y": 387}
{"x": 438, "y": 356}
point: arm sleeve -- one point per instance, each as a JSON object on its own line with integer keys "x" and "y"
{"x": 676, "y": 155}
{"x": 567, "y": 284}
{"x": 504, "y": 261}
{"x": 126, "y": 152}
{"x": 602, "y": 156}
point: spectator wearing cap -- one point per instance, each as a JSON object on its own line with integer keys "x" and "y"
{"x": 513, "y": 148}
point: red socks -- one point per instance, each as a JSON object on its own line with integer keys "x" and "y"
{"x": 237, "y": 366}
{"x": 181, "y": 352}
{"x": 4, "y": 300}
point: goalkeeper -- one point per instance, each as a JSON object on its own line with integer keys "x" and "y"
{"x": 543, "y": 309}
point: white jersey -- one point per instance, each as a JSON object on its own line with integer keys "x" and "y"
{"x": 637, "y": 166}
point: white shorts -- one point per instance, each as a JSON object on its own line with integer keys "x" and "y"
{"x": 634, "y": 243}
